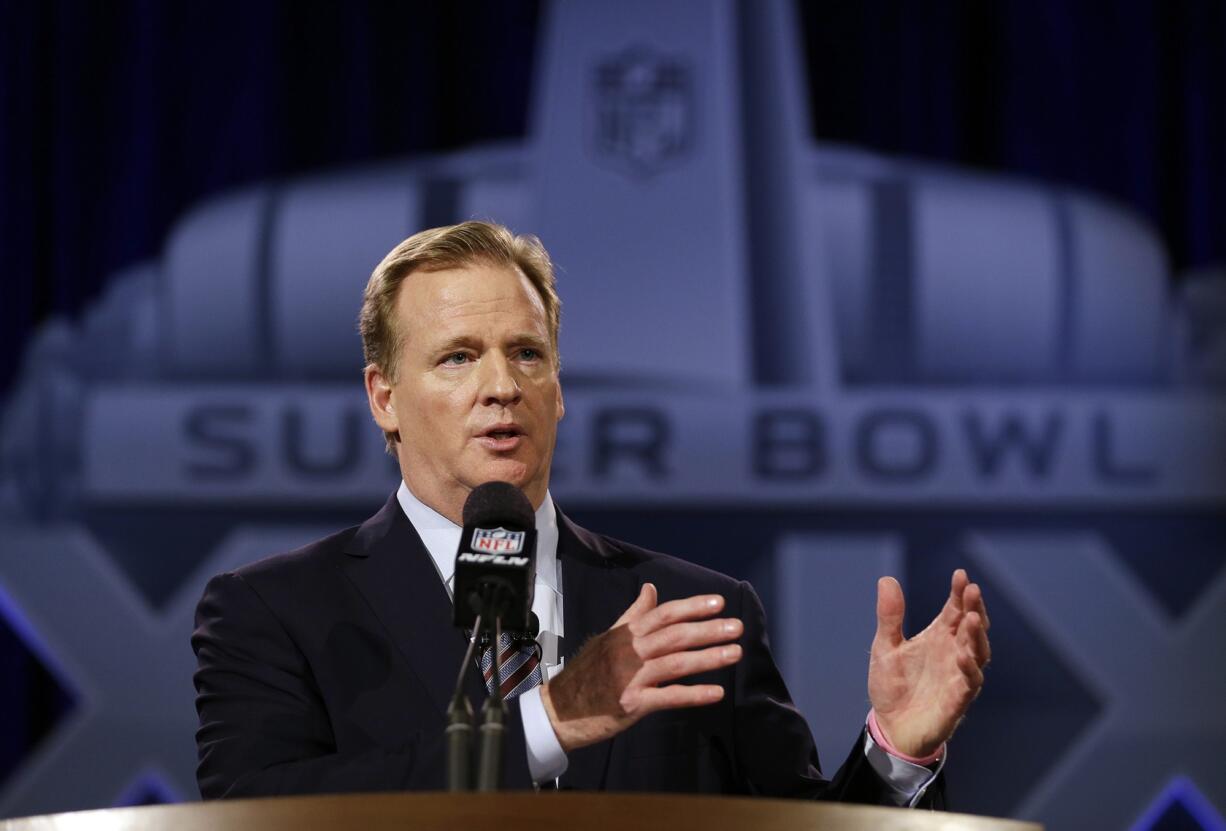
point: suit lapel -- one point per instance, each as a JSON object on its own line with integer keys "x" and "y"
{"x": 388, "y": 563}
{"x": 596, "y": 590}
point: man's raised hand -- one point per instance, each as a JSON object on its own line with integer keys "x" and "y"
{"x": 623, "y": 674}
{"x": 920, "y": 688}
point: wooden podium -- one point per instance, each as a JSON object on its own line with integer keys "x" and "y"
{"x": 510, "y": 812}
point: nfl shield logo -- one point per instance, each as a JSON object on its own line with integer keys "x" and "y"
{"x": 643, "y": 111}
{"x": 498, "y": 541}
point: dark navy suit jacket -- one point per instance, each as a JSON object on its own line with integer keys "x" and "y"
{"x": 329, "y": 669}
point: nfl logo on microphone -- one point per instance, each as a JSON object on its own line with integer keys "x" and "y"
{"x": 498, "y": 541}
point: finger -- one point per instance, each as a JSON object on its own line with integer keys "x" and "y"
{"x": 972, "y": 601}
{"x": 644, "y": 603}
{"x": 973, "y": 641}
{"x": 951, "y": 612}
{"x": 678, "y": 636}
{"x": 972, "y": 673}
{"x": 979, "y": 639}
{"x": 674, "y": 611}
{"x": 676, "y": 696}
{"x": 891, "y": 607}
{"x": 680, "y": 664}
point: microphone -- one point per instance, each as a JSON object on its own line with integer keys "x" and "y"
{"x": 495, "y": 578}
{"x": 495, "y": 567}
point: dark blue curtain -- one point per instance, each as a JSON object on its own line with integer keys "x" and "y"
{"x": 116, "y": 117}
{"x": 1125, "y": 99}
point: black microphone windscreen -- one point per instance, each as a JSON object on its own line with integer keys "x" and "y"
{"x": 499, "y": 503}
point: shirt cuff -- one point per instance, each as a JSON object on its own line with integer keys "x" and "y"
{"x": 546, "y": 758}
{"x": 908, "y": 782}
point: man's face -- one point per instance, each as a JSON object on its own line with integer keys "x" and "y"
{"x": 476, "y": 397}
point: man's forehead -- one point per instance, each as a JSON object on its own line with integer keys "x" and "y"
{"x": 476, "y": 280}
{"x": 454, "y": 294}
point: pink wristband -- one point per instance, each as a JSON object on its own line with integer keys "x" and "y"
{"x": 874, "y": 730}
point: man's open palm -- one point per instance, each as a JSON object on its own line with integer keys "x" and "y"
{"x": 921, "y": 687}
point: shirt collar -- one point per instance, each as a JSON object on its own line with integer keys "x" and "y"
{"x": 441, "y": 537}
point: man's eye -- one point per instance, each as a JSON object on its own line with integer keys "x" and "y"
{"x": 529, "y": 354}
{"x": 456, "y": 359}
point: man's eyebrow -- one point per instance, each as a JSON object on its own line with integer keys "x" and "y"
{"x": 529, "y": 337}
{"x": 454, "y": 342}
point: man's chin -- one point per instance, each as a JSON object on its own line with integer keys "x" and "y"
{"x": 508, "y": 470}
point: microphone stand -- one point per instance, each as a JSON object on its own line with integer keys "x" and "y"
{"x": 459, "y": 729}
{"x": 493, "y": 725}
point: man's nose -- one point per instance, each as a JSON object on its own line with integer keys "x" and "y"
{"x": 498, "y": 382}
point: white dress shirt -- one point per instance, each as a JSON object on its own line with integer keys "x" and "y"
{"x": 546, "y": 759}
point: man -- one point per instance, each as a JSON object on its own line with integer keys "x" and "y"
{"x": 329, "y": 668}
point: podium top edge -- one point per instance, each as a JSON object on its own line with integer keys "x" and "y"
{"x": 537, "y": 812}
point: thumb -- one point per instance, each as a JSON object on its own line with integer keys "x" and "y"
{"x": 890, "y": 610}
{"x": 644, "y": 603}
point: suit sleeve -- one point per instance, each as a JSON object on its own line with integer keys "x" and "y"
{"x": 264, "y": 725}
{"x": 774, "y": 744}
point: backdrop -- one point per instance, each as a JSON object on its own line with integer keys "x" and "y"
{"x": 849, "y": 288}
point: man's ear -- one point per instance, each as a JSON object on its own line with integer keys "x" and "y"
{"x": 379, "y": 396}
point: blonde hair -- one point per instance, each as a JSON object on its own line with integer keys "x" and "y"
{"x": 435, "y": 249}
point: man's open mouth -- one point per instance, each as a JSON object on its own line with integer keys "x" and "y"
{"x": 510, "y": 431}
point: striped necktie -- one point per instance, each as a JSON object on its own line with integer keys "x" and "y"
{"x": 519, "y": 668}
